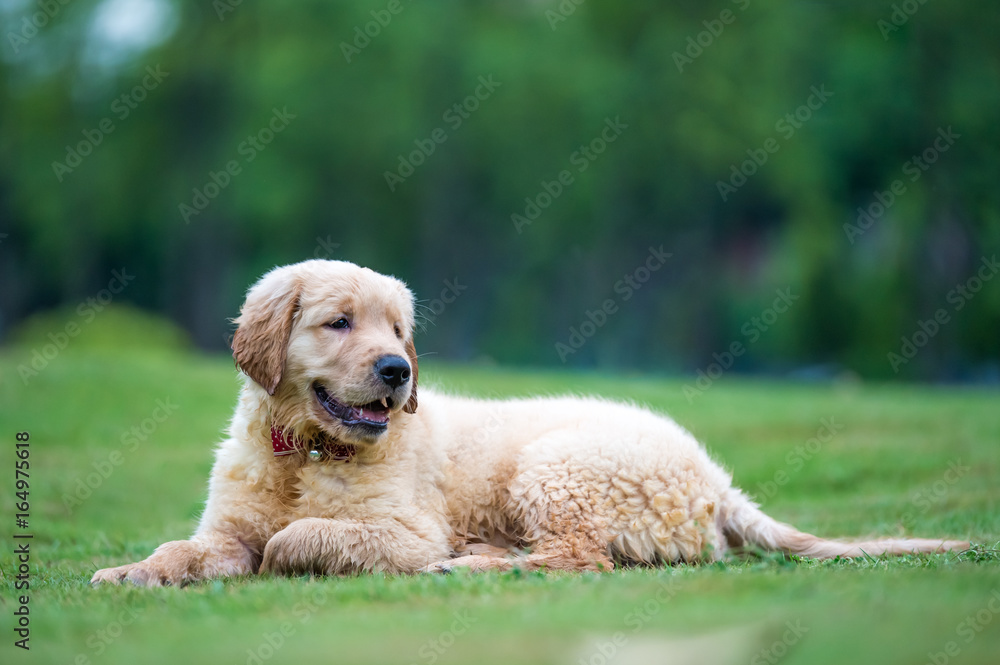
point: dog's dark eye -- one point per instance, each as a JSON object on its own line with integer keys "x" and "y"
{"x": 340, "y": 324}
{"x": 399, "y": 332}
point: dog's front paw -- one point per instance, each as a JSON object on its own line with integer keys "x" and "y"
{"x": 143, "y": 573}
{"x": 298, "y": 548}
{"x": 172, "y": 564}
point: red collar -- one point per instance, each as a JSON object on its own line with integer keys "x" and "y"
{"x": 283, "y": 445}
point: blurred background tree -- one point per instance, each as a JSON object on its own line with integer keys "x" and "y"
{"x": 191, "y": 89}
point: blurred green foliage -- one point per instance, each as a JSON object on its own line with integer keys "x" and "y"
{"x": 117, "y": 327}
{"x": 700, "y": 91}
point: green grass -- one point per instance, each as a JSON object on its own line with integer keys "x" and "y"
{"x": 883, "y": 473}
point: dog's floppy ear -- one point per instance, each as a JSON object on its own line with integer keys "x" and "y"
{"x": 265, "y": 323}
{"x": 411, "y": 353}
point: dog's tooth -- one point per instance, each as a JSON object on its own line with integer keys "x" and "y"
{"x": 384, "y": 403}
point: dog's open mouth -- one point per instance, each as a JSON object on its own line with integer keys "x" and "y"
{"x": 372, "y": 415}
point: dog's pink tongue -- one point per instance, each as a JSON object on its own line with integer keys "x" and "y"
{"x": 374, "y": 416}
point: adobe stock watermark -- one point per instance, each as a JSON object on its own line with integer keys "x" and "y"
{"x": 913, "y": 169}
{"x": 562, "y": 12}
{"x": 900, "y": 16}
{"x": 248, "y": 149}
{"x": 778, "y": 649}
{"x": 223, "y": 7}
{"x": 121, "y": 108}
{"x": 87, "y": 311}
{"x": 958, "y": 298}
{"x": 786, "y": 127}
{"x": 752, "y": 331}
{"x": 697, "y": 44}
{"x": 130, "y": 440}
{"x": 325, "y": 248}
{"x": 429, "y": 312}
{"x": 272, "y": 641}
{"x": 625, "y": 288}
{"x": 605, "y": 652}
{"x": 495, "y": 422}
{"x": 434, "y": 648}
{"x": 796, "y": 459}
{"x": 580, "y": 160}
{"x": 454, "y": 116}
{"x": 928, "y": 497}
{"x": 966, "y": 631}
{"x": 100, "y": 640}
{"x": 31, "y": 24}
{"x": 363, "y": 35}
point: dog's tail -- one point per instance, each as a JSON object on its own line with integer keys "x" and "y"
{"x": 743, "y": 523}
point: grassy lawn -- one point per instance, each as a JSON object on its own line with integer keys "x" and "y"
{"x": 901, "y": 460}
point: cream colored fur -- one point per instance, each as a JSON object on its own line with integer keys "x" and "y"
{"x": 559, "y": 483}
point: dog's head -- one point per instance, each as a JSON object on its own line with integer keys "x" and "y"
{"x": 332, "y": 344}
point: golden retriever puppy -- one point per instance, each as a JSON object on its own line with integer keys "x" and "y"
{"x": 331, "y": 467}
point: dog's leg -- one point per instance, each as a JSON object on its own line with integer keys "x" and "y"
{"x": 237, "y": 521}
{"x": 182, "y": 561}
{"x": 481, "y": 549}
{"x": 340, "y": 546}
{"x": 477, "y": 557}
{"x": 584, "y": 549}
{"x": 476, "y": 563}
{"x": 554, "y": 556}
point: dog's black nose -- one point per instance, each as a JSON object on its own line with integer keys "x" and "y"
{"x": 394, "y": 370}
